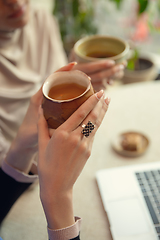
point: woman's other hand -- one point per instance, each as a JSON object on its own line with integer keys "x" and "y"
{"x": 26, "y": 142}
{"x": 101, "y": 72}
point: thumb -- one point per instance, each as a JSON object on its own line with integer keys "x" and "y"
{"x": 68, "y": 67}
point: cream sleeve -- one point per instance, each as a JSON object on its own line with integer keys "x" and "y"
{"x": 18, "y": 175}
{"x": 66, "y": 233}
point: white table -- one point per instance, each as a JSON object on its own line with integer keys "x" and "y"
{"x": 132, "y": 107}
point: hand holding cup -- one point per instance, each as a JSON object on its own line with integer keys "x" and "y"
{"x": 63, "y": 93}
{"x": 101, "y": 57}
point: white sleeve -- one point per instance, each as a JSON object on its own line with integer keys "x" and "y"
{"x": 18, "y": 175}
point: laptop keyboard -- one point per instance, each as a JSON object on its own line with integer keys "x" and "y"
{"x": 149, "y": 182}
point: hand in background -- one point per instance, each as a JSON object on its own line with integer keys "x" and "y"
{"x": 101, "y": 72}
{"x": 63, "y": 154}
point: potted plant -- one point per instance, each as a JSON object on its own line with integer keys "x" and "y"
{"x": 139, "y": 68}
{"x": 76, "y": 19}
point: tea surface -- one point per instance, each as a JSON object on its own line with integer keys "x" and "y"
{"x": 66, "y": 91}
{"x": 101, "y": 54}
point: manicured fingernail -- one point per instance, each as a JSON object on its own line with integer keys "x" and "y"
{"x": 111, "y": 82}
{"x": 110, "y": 62}
{"x": 73, "y": 63}
{"x": 121, "y": 67}
{"x": 107, "y": 100}
{"x": 99, "y": 94}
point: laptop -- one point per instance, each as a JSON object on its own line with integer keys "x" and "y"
{"x": 131, "y": 199}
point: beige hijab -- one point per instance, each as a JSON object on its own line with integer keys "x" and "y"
{"x": 27, "y": 57}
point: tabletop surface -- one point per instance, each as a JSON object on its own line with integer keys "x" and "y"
{"x": 133, "y": 107}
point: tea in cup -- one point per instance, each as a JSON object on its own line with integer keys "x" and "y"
{"x": 63, "y": 93}
{"x": 101, "y": 47}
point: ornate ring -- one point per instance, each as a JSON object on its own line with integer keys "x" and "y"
{"x": 87, "y": 129}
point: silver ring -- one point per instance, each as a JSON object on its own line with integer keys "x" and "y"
{"x": 87, "y": 129}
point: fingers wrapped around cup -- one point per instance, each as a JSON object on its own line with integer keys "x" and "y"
{"x": 63, "y": 93}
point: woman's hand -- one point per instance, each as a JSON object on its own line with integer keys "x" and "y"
{"x": 62, "y": 155}
{"x": 101, "y": 72}
{"x": 26, "y": 142}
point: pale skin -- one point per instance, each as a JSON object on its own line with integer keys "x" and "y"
{"x": 58, "y": 170}
{"x": 15, "y": 14}
{"x": 101, "y": 72}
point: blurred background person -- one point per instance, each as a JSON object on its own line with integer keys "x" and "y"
{"x": 30, "y": 50}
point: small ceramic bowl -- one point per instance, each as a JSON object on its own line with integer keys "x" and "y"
{"x": 146, "y": 71}
{"x": 101, "y": 47}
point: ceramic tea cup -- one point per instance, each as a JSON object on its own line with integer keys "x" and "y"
{"x": 101, "y": 47}
{"x": 63, "y": 93}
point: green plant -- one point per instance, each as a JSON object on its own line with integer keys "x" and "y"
{"x": 152, "y": 10}
{"x": 142, "y": 4}
{"x": 133, "y": 60}
{"x": 76, "y": 19}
